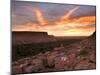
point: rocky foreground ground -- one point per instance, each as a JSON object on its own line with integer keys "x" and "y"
{"x": 77, "y": 56}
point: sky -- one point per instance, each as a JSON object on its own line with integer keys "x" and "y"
{"x": 55, "y": 19}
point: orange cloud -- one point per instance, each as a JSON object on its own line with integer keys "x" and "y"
{"x": 65, "y": 19}
{"x": 65, "y": 26}
{"x": 40, "y": 17}
{"x": 86, "y": 20}
{"x": 68, "y": 14}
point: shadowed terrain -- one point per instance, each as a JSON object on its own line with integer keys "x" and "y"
{"x": 27, "y": 37}
{"x": 52, "y": 37}
{"x": 77, "y": 55}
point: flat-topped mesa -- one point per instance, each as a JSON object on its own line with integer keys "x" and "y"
{"x": 26, "y": 37}
{"x": 24, "y": 33}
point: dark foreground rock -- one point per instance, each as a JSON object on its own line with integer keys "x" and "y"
{"x": 77, "y": 56}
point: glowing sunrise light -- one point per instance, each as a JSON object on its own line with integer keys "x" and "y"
{"x": 62, "y": 26}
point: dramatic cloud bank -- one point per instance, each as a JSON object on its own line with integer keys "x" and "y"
{"x": 67, "y": 20}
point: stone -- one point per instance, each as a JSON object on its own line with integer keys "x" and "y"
{"x": 17, "y": 69}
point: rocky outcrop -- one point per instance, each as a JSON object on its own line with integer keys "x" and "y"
{"x": 78, "y": 56}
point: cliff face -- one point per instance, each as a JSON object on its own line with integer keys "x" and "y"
{"x": 93, "y": 36}
{"x": 25, "y": 37}
{"x": 90, "y": 42}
